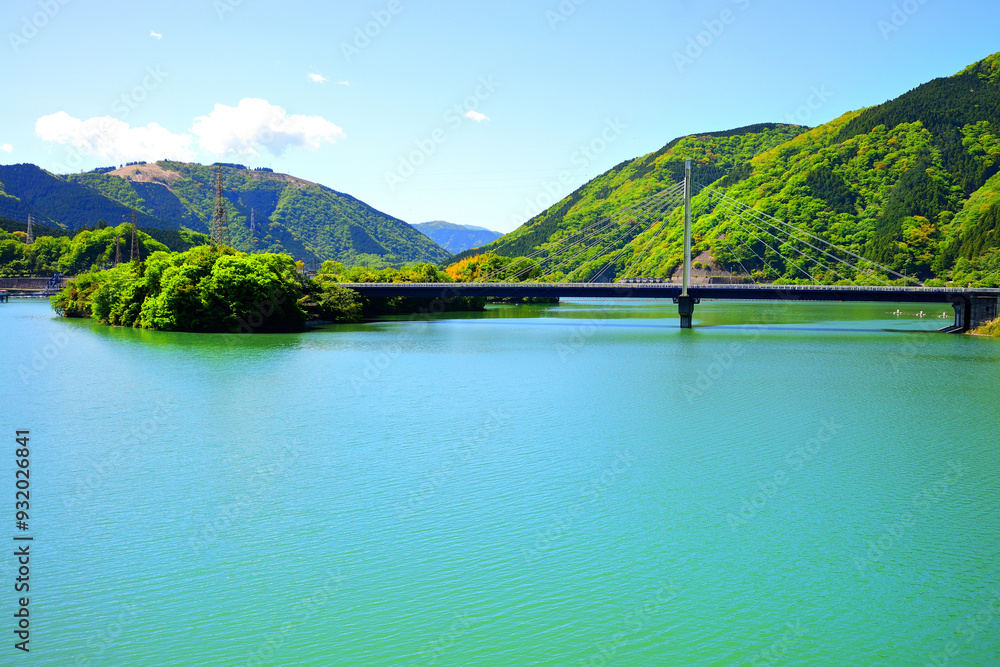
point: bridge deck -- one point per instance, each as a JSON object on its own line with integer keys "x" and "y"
{"x": 673, "y": 291}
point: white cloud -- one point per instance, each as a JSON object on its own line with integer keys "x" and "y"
{"x": 113, "y": 139}
{"x": 317, "y": 78}
{"x": 256, "y": 122}
{"x": 476, "y": 116}
{"x": 153, "y": 33}
{"x": 239, "y": 130}
{"x": 6, "y": 148}
{"x": 343, "y": 83}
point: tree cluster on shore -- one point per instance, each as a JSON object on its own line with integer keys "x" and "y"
{"x": 85, "y": 250}
{"x": 220, "y": 290}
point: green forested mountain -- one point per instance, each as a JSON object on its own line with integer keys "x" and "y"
{"x": 59, "y": 202}
{"x": 716, "y": 154}
{"x": 912, "y": 183}
{"x": 290, "y": 215}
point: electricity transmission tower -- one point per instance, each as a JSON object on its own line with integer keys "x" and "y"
{"x": 220, "y": 221}
{"x": 118, "y": 248}
{"x": 134, "y": 256}
{"x": 31, "y": 232}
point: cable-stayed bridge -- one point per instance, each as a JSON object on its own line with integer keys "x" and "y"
{"x": 602, "y": 259}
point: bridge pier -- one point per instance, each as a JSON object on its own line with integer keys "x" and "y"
{"x": 973, "y": 312}
{"x": 685, "y": 307}
{"x": 961, "y": 324}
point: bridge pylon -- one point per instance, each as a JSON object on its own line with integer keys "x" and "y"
{"x": 685, "y": 303}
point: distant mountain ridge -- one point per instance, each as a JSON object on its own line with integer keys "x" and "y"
{"x": 456, "y": 238}
{"x": 303, "y": 219}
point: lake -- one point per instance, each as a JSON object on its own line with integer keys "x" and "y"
{"x": 581, "y": 484}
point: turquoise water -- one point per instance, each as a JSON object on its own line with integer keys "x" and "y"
{"x": 582, "y": 484}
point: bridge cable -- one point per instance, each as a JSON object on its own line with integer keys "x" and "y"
{"x": 606, "y": 222}
{"x": 602, "y": 225}
{"x": 760, "y": 257}
{"x": 729, "y": 209}
{"x": 758, "y": 213}
{"x": 555, "y": 255}
{"x": 736, "y": 257}
{"x": 652, "y": 218}
{"x": 649, "y": 215}
{"x": 624, "y": 249}
{"x": 663, "y": 226}
{"x": 787, "y": 259}
{"x": 774, "y": 236}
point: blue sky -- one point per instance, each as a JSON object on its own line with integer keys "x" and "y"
{"x": 471, "y": 112}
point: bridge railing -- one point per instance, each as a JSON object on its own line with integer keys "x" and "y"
{"x": 660, "y": 286}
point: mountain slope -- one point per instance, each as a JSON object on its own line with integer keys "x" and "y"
{"x": 715, "y": 154}
{"x": 27, "y": 189}
{"x": 910, "y": 183}
{"x": 306, "y": 220}
{"x": 292, "y": 215}
{"x": 456, "y": 238}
